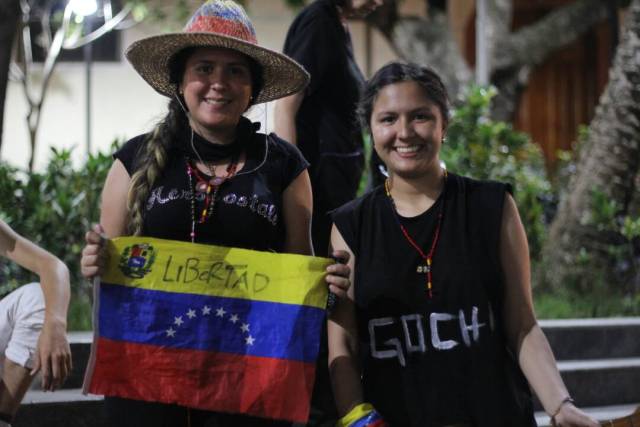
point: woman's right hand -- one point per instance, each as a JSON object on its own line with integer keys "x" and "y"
{"x": 93, "y": 254}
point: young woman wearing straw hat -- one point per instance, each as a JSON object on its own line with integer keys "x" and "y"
{"x": 205, "y": 174}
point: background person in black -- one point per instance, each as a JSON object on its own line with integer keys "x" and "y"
{"x": 160, "y": 183}
{"x": 321, "y": 120}
{"x": 441, "y": 297}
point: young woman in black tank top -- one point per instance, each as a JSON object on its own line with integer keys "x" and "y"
{"x": 439, "y": 326}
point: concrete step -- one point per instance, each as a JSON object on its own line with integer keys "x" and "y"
{"x": 69, "y": 408}
{"x": 600, "y": 413}
{"x": 63, "y": 408}
{"x": 80, "y": 350}
{"x": 599, "y": 338}
{"x": 601, "y": 382}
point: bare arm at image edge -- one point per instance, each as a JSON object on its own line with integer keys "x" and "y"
{"x": 53, "y": 355}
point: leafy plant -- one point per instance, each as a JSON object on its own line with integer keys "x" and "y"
{"x": 567, "y": 305}
{"x": 54, "y": 209}
{"x": 622, "y": 261}
{"x": 481, "y": 148}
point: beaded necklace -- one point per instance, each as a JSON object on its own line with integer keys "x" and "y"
{"x": 207, "y": 186}
{"x": 428, "y": 258}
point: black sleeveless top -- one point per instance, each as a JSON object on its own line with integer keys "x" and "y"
{"x": 248, "y": 207}
{"x": 326, "y": 121}
{"x": 441, "y": 360}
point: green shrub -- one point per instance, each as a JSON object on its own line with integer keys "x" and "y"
{"x": 611, "y": 267}
{"x": 54, "y": 209}
{"x": 568, "y": 304}
{"x": 481, "y": 148}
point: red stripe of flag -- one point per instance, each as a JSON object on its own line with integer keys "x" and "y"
{"x": 223, "y": 382}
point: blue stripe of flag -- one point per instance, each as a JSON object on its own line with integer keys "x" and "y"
{"x": 367, "y": 420}
{"x": 202, "y": 322}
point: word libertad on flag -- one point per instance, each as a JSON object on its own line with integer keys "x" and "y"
{"x": 208, "y": 327}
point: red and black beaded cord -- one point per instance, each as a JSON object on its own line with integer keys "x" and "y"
{"x": 428, "y": 258}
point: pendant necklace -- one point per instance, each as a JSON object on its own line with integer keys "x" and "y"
{"x": 427, "y": 267}
{"x": 208, "y": 187}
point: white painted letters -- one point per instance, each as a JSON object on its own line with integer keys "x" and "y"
{"x": 413, "y": 331}
{"x": 395, "y": 342}
{"x": 437, "y": 343}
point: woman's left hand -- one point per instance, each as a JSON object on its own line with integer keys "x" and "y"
{"x": 53, "y": 355}
{"x": 338, "y": 274}
{"x": 570, "y": 416}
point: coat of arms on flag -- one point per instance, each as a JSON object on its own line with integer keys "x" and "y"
{"x": 136, "y": 260}
{"x": 208, "y": 327}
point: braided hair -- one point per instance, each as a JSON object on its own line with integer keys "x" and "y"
{"x": 151, "y": 162}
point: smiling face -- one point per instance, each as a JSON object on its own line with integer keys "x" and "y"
{"x": 216, "y": 86}
{"x": 407, "y": 129}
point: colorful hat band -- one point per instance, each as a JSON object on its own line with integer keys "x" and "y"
{"x": 221, "y": 26}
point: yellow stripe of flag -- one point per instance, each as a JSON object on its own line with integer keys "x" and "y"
{"x": 192, "y": 268}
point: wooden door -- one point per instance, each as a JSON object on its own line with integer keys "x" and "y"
{"x": 563, "y": 91}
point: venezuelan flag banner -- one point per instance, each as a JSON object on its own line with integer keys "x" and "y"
{"x": 208, "y": 327}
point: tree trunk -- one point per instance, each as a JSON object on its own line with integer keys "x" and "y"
{"x": 425, "y": 41}
{"x": 433, "y": 44}
{"x": 9, "y": 17}
{"x": 609, "y": 161}
{"x": 512, "y": 55}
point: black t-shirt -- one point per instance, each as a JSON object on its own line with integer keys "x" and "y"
{"x": 441, "y": 360}
{"x": 248, "y": 208}
{"x": 326, "y": 121}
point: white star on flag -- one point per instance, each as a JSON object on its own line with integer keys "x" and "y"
{"x": 234, "y": 318}
{"x": 206, "y": 310}
{"x": 171, "y": 332}
{"x": 220, "y": 312}
{"x": 178, "y": 321}
{"x": 245, "y": 327}
{"x": 249, "y": 340}
{"x": 191, "y": 314}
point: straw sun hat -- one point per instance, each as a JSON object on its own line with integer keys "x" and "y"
{"x": 217, "y": 23}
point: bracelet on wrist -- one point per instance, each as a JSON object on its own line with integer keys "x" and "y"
{"x": 566, "y": 400}
{"x": 363, "y": 415}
